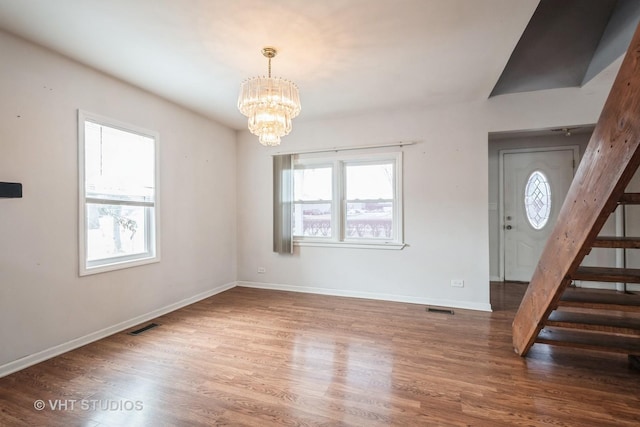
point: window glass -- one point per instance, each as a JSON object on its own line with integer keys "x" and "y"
{"x": 537, "y": 200}
{"x": 312, "y": 184}
{"x": 118, "y": 164}
{"x": 369, "y": 208}
{"x": 117, "y": 195}
{"x": 348, "y": 199}
{"x": 115, "y": 231}
{"x": 312, "y": 219}
{"x": 370, "y": 181}
{"x": 312, "y": 207}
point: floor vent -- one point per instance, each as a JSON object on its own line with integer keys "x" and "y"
{"x": 439, "y": 310}
{"x": 143, "y": 329}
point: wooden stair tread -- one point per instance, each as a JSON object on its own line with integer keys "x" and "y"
{"x": 598, "y": 299}
{"x": 629, "y": 199}
{"x": 607, "y": 274}
{"x": 589, "y": 341}
{"x": 616, "y": 242}
{"x": 595, "y": 322}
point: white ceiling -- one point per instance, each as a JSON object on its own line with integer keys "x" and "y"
{"x": 346, "y": 56}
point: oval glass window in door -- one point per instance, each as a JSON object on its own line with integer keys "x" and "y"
{"x": 537, "y": 200}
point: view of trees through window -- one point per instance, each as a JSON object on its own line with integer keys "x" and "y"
{"x": 119, "y": 194}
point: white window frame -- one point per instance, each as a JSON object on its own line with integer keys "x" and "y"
{"x": 152, "y": 222}
{"x": 339, "y": 162}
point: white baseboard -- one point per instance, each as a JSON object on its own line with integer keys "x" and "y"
{"x": 496, "y": 279}
{"x": 43, "y": 355}
{"x": 369, "y": 295}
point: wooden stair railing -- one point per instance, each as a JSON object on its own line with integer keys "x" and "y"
{"x": 608, "y": 164}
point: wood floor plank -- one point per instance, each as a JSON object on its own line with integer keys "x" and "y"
{"x": 268, "y": 358}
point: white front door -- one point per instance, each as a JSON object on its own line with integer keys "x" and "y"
{"x": 535, "y": 184}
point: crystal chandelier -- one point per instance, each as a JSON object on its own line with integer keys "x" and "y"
{"x": 270, "y": 103}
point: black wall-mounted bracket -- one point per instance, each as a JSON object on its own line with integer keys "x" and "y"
{"x": 10, "y": 190}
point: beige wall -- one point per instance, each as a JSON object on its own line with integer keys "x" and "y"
{"x": 445, "y": 237}
{"x": 43, "y": 301}
{"x": 446, "y": 192}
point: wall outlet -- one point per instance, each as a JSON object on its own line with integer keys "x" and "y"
{"x": 262, "y": 270}
{"x": 457, "y": 283}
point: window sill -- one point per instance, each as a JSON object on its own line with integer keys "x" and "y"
{"x": 118, "y": 265}
{"x": 383, "y": 246}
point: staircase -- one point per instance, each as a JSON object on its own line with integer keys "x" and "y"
{"x": 553, "y": 312}
{"x": 592, "y": 319}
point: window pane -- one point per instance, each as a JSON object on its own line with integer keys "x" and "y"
{"x": 537, "y": 200}
{"x": 119, "y": 164}
{"x": 115, "y": 231}
{"x": 312, "y": 219}
{"x": 370, "y": 220}
{"x": 312, "y": 184}
{"x": 366, "y": 182}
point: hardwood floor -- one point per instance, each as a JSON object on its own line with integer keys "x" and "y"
{"x": 258, "y": 357}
